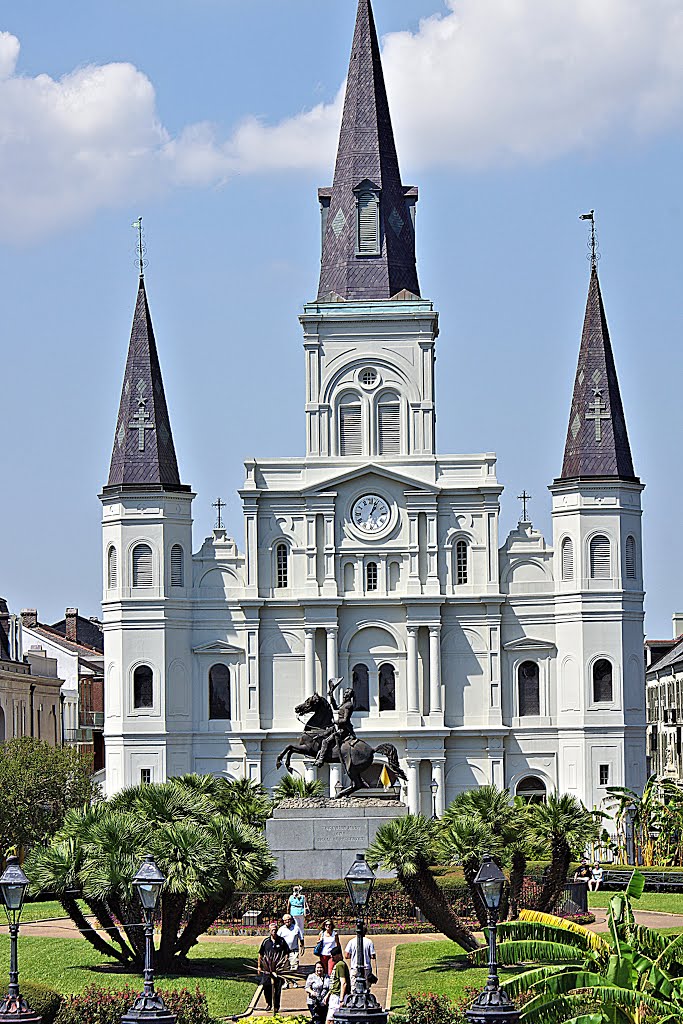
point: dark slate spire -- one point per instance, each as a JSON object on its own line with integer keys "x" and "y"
{"x": 143, "y": 455}
{"x": 597, "y": 440}
{"x": 367, "y": 163}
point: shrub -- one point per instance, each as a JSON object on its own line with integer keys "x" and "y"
{"x": 45, "y": 1001}
{"x": 429, "y": 1008}
{"x": 98, "y": 1005}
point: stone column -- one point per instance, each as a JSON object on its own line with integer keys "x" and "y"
{"x": 335, "y": 777}
{"x": 310, "y": 771}
{"x": 332, "y": 665}
{"x": 438, "y": 775}
{"x": 435, "y": 670}
{"x": 413, "y": 690}
{"x": 413, "y": 786}
{"x": 309, "y": 662}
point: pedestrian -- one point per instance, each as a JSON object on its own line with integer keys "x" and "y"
{"x": 317, "y": 990}
{"x": 583, "y": 872}
{"x": 340, "y": 984}
{"x": 297, "y": 905}
{"x": 294, "y": 937}
{"x": 369, "y": 957}
{"x": 596, "y": 877}
{"x": 328, "y": 941}
{"x": 273, "y": 958}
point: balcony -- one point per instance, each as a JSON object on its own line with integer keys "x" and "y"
{"x": 91, "y": 719}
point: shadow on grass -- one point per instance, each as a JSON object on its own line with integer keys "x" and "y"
{"x": 235, "y": 969}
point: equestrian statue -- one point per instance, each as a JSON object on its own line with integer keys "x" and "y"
{"x": 331, "y": 740}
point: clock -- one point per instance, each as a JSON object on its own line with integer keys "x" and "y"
{"x": 370, "y": 514}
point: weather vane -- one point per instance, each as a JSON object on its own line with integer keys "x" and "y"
{"x": 220, "y": 505}
{"x": 593, "y": 247}
{"x": 524, "y": 498}
{"x": 141, "y": 248}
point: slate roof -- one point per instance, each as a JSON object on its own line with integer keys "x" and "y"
{"x": 674, "y": 656}
{"x": 143, "y": 454}
{"x": 367, "y": 152}
{"x": 596, "y": 447}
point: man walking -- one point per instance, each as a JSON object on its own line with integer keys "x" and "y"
{"x": 369, "y": 957}
{"x": 272, "y": 957}
{"x": 294, "y": 937}
{"x": 340, "y": 984}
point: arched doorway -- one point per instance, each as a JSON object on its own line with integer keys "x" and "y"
{"x": 2, "y": 725}
{"x": 532, "y": 790}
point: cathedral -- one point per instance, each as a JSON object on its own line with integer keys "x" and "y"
{"x": 517, "y": 662}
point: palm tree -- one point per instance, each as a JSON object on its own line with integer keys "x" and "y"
{"x": 565, "y": 828}
{"x": 293, "y": 787}
{"x": 408, "y": 846}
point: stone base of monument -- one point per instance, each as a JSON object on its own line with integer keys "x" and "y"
{"x": 319, "y": 838}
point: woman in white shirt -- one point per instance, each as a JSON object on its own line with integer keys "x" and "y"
{"x": 330, "y": 942}
{"x": 317, "y": 989}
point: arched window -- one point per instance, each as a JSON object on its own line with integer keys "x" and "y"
{"x": 387, "y": 688}
{"x": 219, "y": 692}
{"x": 389, "y": 425}
{"x": 368, "y": 224}
{"x": 394, "y": 575}
{"x": 567, "y": 559}
{"x": 630, "y": 558}
{"x": 361, "y": 687}
{"x": 529, "y": 689}
{"x": 177, "y": 567}
{"x": 143, "y": 690}
{"x": 371, "y": 576}
{"x": 350, "y": 426}
{"x": 600, "y": 559}
{"x": 281, "y": 566}
{"x": 112, "y": 568}
{"x": 531, "y": 790}
{"x": 349, "y": 577}
{"x": 143, "y": 575}
{"x": 461, "y": 562}
{"x": 602, "y": 682}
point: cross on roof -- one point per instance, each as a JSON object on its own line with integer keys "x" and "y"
{"x": 599, "y": 412}
{"x": 524, "y": 498}
{"x": 220, "y": 505}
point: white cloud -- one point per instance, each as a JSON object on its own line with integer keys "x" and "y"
{"x": 483, "y": 81}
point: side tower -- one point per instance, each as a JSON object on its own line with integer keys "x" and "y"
{"x": 598, "y": 549}
{"x": 147, "y": 579}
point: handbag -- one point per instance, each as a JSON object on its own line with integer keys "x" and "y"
{"x": 318, "y": 948}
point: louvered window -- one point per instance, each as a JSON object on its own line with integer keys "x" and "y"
{"x": 361, "y": 687}
{"x": 461, "y": 562}
{"x": 389, "y": 428}
{"x": 371, "y": 576}
{"x": 600, "y": 559}
{"x": 282, "y": 567}
{"x": 630, "y": 558}
{"x": 142, "y": 566}
{"x": 350, "y": 431}
{"x": 112, "y": 568}
{"x": 567, "y": 559}
{"x": 529, "y": 689}
{"x": 602, "y": 682}
{"x": 143, "y": 687}
{"x": 177, "y": 569}
{"x": 368, "y": 224}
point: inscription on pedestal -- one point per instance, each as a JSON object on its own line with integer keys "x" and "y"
{"x": 335, "y": 836}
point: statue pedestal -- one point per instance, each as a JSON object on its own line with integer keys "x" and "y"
{"x": 319, "y": 838}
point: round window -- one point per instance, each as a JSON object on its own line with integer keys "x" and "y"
{"x": 368, "y": 377}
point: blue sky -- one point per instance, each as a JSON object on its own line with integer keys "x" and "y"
{"x": 216, "y": 119}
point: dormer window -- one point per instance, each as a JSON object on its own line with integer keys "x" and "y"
{"x": 368, "y": 223}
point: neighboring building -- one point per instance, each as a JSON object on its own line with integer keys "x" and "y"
{"x": 373, "y": 557}
{"x": 30, "y": 688}
{"x": 664, "y": 679}
{"x": 77, "y": 644}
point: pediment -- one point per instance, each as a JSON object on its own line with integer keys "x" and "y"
{"x": 367, "y": 184}
{"x": 217, "y": 647}
{"x": 528, "y": 643}
{"x": 367, "y": 469}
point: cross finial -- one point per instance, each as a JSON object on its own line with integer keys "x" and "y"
{"x": 524, "y": 498}
{"x": 219, "y": 505}
{"x": 593, "y": 247}
{"x": 142, "y": 248}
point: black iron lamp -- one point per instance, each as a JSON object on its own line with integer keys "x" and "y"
{"x": 493, "y": 1005}
{"x": 149, "y": 1006}
{"x": 434, "y": 786}
{"x": 13, "y": 886}
{"x": 360, "y": 1005}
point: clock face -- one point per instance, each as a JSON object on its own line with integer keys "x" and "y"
{"x": 370, "y": 514}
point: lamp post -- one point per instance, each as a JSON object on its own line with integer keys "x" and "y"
{"x": 149, "y": 1006}
{"x": 434, "y": 786}
{"x": 13, "y": 885}
{"x": 360, "y": 1004}
{"x": 493, "y": 1005}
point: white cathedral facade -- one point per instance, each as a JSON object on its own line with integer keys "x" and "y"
{"x": 373, "y": 557}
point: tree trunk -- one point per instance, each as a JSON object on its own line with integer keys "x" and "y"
{"x": 553, "y": 887}
{"x": 101, "y": 911}
{"x": 131, "y": 920}
{"x": 201, "y": 919}
{"x": 427, "y": 895}
{"x": 470, "y": 869}
{"x": 88, "y": 932}
{"x": 172, "y": 910}
{"x": 517, "y": 871}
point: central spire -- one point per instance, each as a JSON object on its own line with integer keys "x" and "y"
{"x": 368, "y": 227}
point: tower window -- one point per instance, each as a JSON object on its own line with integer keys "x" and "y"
{"x": 602, "y": 682}
{"x": 600, "y": 559}
{"x": 142, "y": 566}
{"x": 630, "y": 558}
{"x": 389, "y": 426}
{"x": 461, "y": 562}
{"x": 282, "y": 566}
{"x": 371, "y": 576}
{"x": 350, "y": 427}
{"x": 529, "y": 689}
{"x": 368, "y": 224}
{"x": 112, "y": 568}
{"x": 177, "y": 573}
{"x": 145, "y": 776}
{"x": 360, "y": 682}
{"x": 567, "y": 559}
{"x": 604, "y": 775}
{"x": 143, "y": 687}
{"x": 219, "y": 692}
{"x": 387, "y": 688}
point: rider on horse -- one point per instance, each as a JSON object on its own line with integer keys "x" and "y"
{"x": 343, "y": 729}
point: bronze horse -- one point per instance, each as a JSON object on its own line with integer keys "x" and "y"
{"x": 357, "y": 755}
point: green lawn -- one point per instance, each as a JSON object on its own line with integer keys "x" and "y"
{"x": 42, "y": 910}
{"x": 440, "y": 967}
{"x": 69, "y": 965}
{"x": 666, "y": 902}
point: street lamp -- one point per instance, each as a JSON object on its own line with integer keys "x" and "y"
{"x": 493, "y": 1005}
{"x": 149, "y": 1006}
{"x": 434, "y": 786}
{"x": 13, "y": 885}
{"x": 360, "y": 1004}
